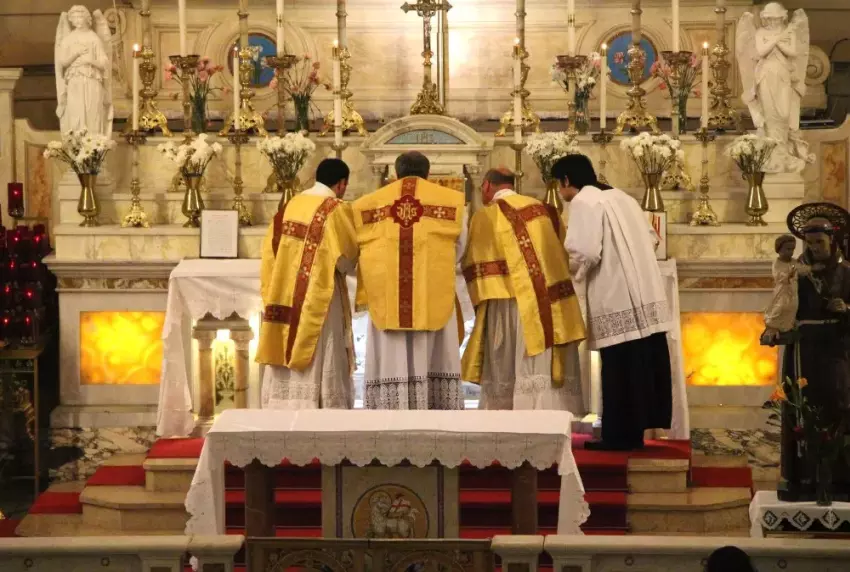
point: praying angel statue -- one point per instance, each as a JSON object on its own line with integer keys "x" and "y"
{"x": 773, "y": 60}
{"x": 84, "y": 71}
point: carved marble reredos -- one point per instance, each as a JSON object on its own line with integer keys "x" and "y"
{"x": 472, "y": 151}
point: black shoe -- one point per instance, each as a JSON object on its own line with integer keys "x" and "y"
{"x": 606, "y": 446}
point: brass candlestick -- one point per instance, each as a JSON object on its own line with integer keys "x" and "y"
{"x": 636, "y": 116}
{"x": 704, "y": 215}
{"x": 338, "y": 149}
{"x": 721, "y": 116}
{"x": 350, "y": 118}
{"x": 679, "y": 62}
{"x": 150, "y": 117}
{"x": 530, "y": 120}
{"x": 188, "y": 66}
{"x": 571, "y": 65}
{"x": 603, "y": 138}
{"x": 518, "y": 172}
{"x": 238, "y": 139}
{"x": 136, "y": 218}
{"x": 280, "y": 65}
{"x": 249, "y": 118}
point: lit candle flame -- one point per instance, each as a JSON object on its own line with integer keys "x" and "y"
{"x": 336, "y": 43}
{"x": 705, "y": 46}
{"x": 604, "y": 47}
{"x": 136, "y": 48}
{"x": 516, "y": 41}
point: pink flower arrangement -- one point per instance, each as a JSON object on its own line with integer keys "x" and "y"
{"x": 662, "y": 70}
{"x": 200, "y": 86}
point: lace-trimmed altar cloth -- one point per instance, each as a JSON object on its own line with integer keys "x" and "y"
{"x": 767, "y": 512}
{"x": 542, "y": 438}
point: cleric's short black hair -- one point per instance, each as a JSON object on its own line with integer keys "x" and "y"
{"x": 412, "y": 164}
{"x": 729, "y": 559}
{"x": 577, "y": 169}
{"x": 332, "y": 171}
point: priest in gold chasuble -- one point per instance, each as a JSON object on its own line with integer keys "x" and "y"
{"x": 411, "y": 235}
{"x": 523, "y": 350}
{"x": 305, "y": 335}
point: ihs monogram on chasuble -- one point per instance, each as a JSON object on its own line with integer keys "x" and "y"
{"x": 407, "y": 211}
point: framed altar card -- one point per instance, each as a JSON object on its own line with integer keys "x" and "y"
{"x": 659, "y": 223}
{"x": 219, "y": 234}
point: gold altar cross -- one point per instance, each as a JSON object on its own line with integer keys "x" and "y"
{"x": 428, "y": 100}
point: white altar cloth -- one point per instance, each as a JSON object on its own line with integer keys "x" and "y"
{"x": 681, "y": 427}
{"x": 767, "y": 512}
{"x": 239, "y": 436}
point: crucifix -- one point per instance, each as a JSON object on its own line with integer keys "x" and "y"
{"x": 428, "y": 100}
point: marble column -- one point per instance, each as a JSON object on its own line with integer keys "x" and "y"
{"x": 206, "y": 393}
{"x": 241, "y": 341}
{"x": 8, "y": 78}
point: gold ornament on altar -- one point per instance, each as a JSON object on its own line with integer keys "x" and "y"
{"x": 150, "y": 117}
{"x": 280, "y": 65}
{"x": 136, "y": 218}
{"x": 571, "y": 66}
{"x": 287, "y": 155}
{"x": 653, "y": 155}
{"x": 721, "y": 115}
{"x": 249, "y": 118}
{"x": 530, "y": 120}
{"x": 238, "y": 139}
{"x": 751, "y": 153}
{"x": 350, "y": 118}
{"x": 192, "y": 159}
{"x": 187, "y": 66}
{"x": 428, "y": 100}
{"x": 704, "y": 215}
{"x": 603, "y": 138}
{"x": 636, "y": 116}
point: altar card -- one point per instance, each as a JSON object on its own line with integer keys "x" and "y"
{"x": 659, "y": 224}
{"x": 389, "y": 502}
{"x": 219, "y": 234}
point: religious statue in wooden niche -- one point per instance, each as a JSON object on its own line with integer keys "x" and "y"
{"x": 815, "y": 394}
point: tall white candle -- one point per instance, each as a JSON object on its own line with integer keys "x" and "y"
{"x": 237, "y": 92}
{"x": 636, "y": 12}
{"x": 675, "y": 25}
{"x": 603, "y": 89}
{"x": 571, "y": 27}
{"x": 704, "y": 115}
{"x": 135, "y": 87}
{"x": 181, "y": 19}
{"x": 337, "y": 72}
{"x": 517, "y": 90}
{"x": 279, "y": 27}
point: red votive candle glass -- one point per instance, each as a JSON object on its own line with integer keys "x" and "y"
{"x": 16, "y": 200}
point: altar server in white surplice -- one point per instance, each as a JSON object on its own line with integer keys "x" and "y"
{"x": 611, "y": 246}
{"x": 411, "y": 235}
{"x": 523, "y": 350}
{"x": 305, "y": 337}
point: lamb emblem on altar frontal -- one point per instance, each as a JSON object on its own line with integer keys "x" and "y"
{"x": 391, "y": 512}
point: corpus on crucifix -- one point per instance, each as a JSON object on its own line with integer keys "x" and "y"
{"x": 428, "y": 100}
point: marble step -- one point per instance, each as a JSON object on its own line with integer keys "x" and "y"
{"x": 658, "y": 475}
{"x": 697, "y": 511}
{"x": 56, "y": 525}
{"x": 169, "y": 475}
{"x": 132, "y": 508}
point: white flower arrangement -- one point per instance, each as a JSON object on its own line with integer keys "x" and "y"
{"x": 751, "y": 152}
{"x": 286, "y": 154}
{"x": 587, "y": 76}
{"x": 547, "y": 148}
{"x": 84, "y": 152}
{"x": 192, "y": 158}
{"x": 653, "y": 154}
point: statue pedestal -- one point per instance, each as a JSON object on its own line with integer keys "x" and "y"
{"x": 784, "y": 186}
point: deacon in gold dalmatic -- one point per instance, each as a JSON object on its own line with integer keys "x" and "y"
{"x": 305, "y": 336}
{"x": 411, "y": 236}
{"x": 523, "y": 350}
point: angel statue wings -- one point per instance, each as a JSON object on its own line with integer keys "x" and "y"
{"x": 773, "y": 59}
{"x": 84, "y": 71}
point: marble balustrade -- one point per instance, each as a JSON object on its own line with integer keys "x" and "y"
{"x": 121, "y": 553}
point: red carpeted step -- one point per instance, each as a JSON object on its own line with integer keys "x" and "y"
{"x": 128, "y": 476}
{"x": 722, "y": 477}
{"x": 176, "y": 448}
{"x": 311, "y": 497}
{"x": 57, "y": 503}
{"x": 7, "y": 527}
{"x": 285, "y": 532}
{"x": 288, "y": 477}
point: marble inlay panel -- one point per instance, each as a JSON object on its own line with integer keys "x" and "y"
{"x": 834, "y": 172}
{"x": 761, "y": 447}
{"x": 727, "y": 282}
{"x": 743, "y": 246}
{"x": 69, "y": 283}
{"x": 75, "y": 454}
{"x": 38, "y": 184}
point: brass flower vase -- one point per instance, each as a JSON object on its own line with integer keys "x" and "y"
{"x": 553, "y": 196}
{"x": 652, "y": 201}
{"x": 87, "y": 204}
{"x": 193, "y": 203}
{"x": 756, "y": 201}
{"x": 288, "y": 188}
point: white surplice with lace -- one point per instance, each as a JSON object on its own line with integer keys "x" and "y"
{"x": 510, "y": 378}
{"x": 415, "y": 370}
{"x": 326, "y": 383}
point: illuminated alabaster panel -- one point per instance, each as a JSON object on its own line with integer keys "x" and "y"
{"x": 722, "y": 348}
{"x": 120, "y": 348}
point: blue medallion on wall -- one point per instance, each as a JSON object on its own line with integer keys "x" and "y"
{"x": 618, "y": 56}
{"x": 261, "y": 46}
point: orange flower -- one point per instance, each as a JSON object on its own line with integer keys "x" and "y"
{"x": 778, "y": 394}
{"x": 802, "y": 382}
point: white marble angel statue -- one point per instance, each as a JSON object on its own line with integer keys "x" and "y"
{"x": 84, "y": 71}
{"x": 773, "y": 60}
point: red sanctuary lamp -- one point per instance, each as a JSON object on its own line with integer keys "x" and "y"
{"x": 16, "y": 200}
